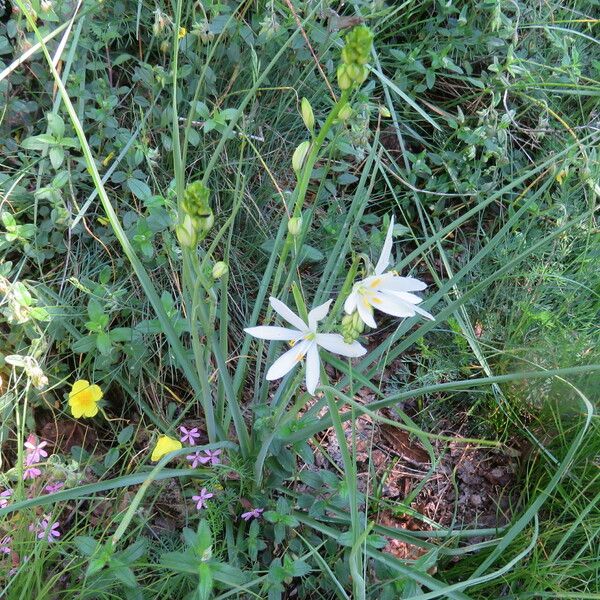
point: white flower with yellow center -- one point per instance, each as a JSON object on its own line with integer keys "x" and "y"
{"x": 305, "y": 341}
{"x": 387, "y": 292}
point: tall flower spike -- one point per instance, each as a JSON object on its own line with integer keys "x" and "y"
{"x": 386, "y": 292}
{"x": 305, "y": 341}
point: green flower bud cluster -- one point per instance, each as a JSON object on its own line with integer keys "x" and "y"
{"x": 352, "y": 327}
{"x": 196, "y": 217}
{"x": 355, "y": 56}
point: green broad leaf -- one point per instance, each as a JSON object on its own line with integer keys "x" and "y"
{"x": 95, "y": 310}
{"x": 86, "y": 545}
{"x": 84, "y": 344}
{"x": 56, "y": 125}
{"x": 111, "y": 458}
{"x": 180, "y": 562}
{"x": 57, "y": 156}
{"x": 134, "y": 552}
{"x": 202, "y": 110}
{"x": 38, "y": 142}
{"x": 39, "y": 314}
{"x": 103, "y": 343}
{"x": 227, "y": 574}
{"x": 121, "y": 334}
{"x": 125, "y": 434}
{"x": 300, "y": 568}
{"x": 205, "y": 583}
{"x": 139, "y": 189}
{"x": 96, "y": 564}
{"x": 124, "y": 574}
{"x": 193, "y": 137}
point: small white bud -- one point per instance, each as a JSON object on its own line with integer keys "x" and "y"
{"x": 307, "y": 114}
{"x": 186, "y": 232}
{"x": 299, "y": 156}
{"x": 219, "y": 269}
{"x": 295, "y": 225}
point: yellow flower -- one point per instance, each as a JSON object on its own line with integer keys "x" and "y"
{"x": 84, "y": 398}
{"x": 164, "y": 445}
{"x": 181, "y": 33}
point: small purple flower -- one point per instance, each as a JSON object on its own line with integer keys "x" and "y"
{"x": 35, "y": 452}
{"x": 189, "y": 436}
{"x": 48, "y": 532}
{"x": 4, "y": 496}
{"x": 201, "y": 499}
{"x": 31, "y": 473}
{"x": 196, "y": 459}
{"x": 212, "y": 456}
{"x": 252, "y": 514}
{"x": 5, "y": 544}
{"x": 54, "y": 487}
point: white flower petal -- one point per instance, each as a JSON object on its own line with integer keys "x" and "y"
{"x": 414, "y": 300}
{"x": 317, "y": 314}
{"x": 291, "y": 317}
{"x": 366, "y": 312}
{"x": 386, "y": 251}
{"x": 392, "y": 305}
{"x": 267, "y": 332}
{"x": 313, "y": 368}
{"x": 401, "y": 284}
{"x": 350, "y": 303}
{"x": 424, "y": 313}
{"x": 410, "y": 298}
{"x": 287, "y": 361}
{"x": 334, "y": 342}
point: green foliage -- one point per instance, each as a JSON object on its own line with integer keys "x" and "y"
{"x": 472, "y": 123}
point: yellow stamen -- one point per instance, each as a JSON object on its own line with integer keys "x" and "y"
{"x": 375, "y": 282}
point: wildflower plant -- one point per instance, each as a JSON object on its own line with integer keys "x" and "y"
{"x": 228, "y": 251}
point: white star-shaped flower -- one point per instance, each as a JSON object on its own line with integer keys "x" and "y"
{"x": 305, "y": 341}
{"x": 387, "y": 292}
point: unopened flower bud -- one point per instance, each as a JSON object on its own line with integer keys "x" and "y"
{"x": 186, "y": 232}
{"x": 384, "y": 112}
{"x": 300, "y": 155}
{"x": 343, "y": 78}
{"x": 345, "y": 112}
{"x": 307, "y": 114}
{"x": 46, "y": 6}
{"x": 219, "y": 269}
{"x": 295, "y": 225}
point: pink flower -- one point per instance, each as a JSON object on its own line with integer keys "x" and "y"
{"x": 201, "y": 499}
{"x": 4, "y": 496}
{"x": 4, "y": 544}
{"x": 48, "y": 532}
{"x": 189, "y": 436}
{"x": 34, "y": 452}
{"x": 252, "y": 514}
{"x": 31, "y": 473}
{"x": 196, "y": 459}
{"x": 54, "y": 487}
{"x": 212, "y": 456}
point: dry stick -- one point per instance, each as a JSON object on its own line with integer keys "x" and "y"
{"x": 316, "y": 59}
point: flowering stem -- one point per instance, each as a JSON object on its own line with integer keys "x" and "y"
{"x": 198, "y": 307}
{"x": 358, "y": 584}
